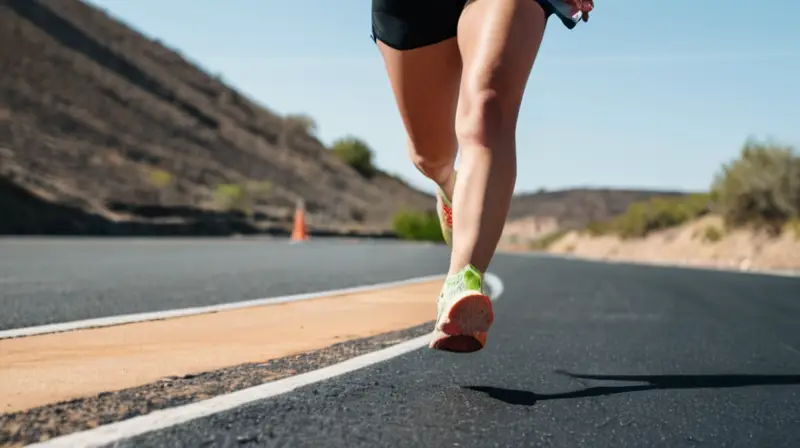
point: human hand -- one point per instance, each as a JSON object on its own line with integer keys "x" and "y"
{"x": 584, "y": 6}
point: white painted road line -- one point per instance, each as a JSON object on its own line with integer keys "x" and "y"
{"x": 181, "y": 312}
{"x": 495, "y": 285}
{"x": 166, "y": 418}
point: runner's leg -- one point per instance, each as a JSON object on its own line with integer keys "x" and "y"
{"x": 417, "y": 43}
{"x": 498, "y": 42}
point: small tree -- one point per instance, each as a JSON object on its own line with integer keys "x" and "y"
{"x": 355, "y": 153}
{"x": 160, "y": 178}
{"x": 760, "y": 188}
{"x": 294, "y": 123}
{"x": 419, "y": 226}
{"x": 241, "y": 197}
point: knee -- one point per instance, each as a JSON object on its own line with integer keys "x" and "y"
{"x": 485, "y": 117}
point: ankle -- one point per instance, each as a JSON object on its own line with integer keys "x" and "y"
{"x": 461, "y": 269}
{"x": 448, "y": 186}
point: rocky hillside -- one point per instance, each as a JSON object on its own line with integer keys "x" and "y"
{"x": 534, "y": 215}
{"x": 104, "y": 131}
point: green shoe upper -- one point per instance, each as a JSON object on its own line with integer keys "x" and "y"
{"x": 467, "y": 279}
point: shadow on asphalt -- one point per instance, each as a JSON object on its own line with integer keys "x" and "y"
{"x": 654, "y": 382}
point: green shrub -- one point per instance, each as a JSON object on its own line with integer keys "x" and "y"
{"x": 294, "y": 123}
{"x": 599, "y": 228}
{"x": 712, "y": 234}
{"x": 159, "y": 178}
{"x": 355, "y": 153}
{"x": 240, "y": 197}
{"x": 546, "y": 241}
{"x": 761, "y": 188}
{"x": 793, "y": 225}
{"x": 658, "y": 213}
{"x": 418, "y": 226}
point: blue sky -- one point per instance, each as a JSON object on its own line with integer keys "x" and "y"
{"x": 646, "y": 94}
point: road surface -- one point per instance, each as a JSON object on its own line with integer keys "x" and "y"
{"x": 44, "y": 281}
{"x": 581, "y": 354}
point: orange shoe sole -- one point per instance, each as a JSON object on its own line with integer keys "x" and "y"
{"x": 464, "y": 328}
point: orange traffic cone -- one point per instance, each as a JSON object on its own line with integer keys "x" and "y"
{"x": 299, "y": 232}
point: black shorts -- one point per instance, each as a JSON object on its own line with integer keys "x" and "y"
{"x": 409, "y": 24}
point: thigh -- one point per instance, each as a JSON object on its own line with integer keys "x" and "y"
{"x": 499, "y": 41}
{"x": 424, "y": 70}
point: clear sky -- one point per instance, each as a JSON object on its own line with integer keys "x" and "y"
{"x": 646, "y": 94}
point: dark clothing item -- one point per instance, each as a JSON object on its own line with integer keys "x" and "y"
{"x": 409, "y": 24}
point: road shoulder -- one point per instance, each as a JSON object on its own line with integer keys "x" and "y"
{"x": 48, "y": 368}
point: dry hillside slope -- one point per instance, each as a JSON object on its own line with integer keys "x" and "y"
{"x": 105, "y": 131}
{"x": 700, "y": 242}
{"x": 537, "y": 215}
{"x": 577, "y": 207}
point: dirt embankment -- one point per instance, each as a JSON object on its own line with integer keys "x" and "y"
{"x": 702, "y": 242}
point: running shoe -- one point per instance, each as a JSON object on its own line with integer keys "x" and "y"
{"x": 464, "y": 313}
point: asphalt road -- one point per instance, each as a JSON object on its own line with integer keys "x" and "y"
{"x": 582, "y": 354}
{"x": 45, "y": 281}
